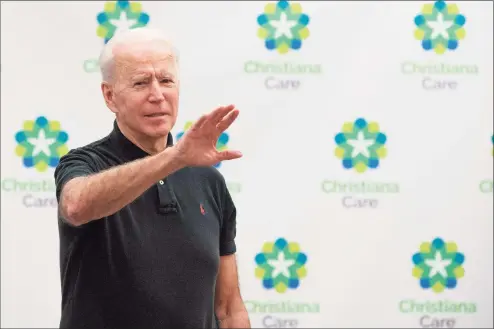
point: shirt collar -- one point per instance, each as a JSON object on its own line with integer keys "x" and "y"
{"x": 128, "y": 149}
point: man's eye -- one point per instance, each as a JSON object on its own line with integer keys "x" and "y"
{"x": 140, "y": 83}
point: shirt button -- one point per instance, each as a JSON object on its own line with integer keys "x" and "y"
{"x": 161, "y": 182}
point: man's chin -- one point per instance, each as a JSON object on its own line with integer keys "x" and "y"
{"x": 160, "y": 130}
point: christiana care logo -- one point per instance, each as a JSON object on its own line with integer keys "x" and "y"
{"x": 280, "y": 265}
{"x": 438, "y": 267}
{"x": 281, "y": 268}
{"x": 40, "y": 145}
{"x": 361, "y": 147}
{"x": 117, "y": 16}
{"x": 283, "y": 28}
{"x": 440, "y": 28}
{"x": 120, "y": 16}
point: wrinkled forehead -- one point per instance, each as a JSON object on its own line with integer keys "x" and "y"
{"x": 144, "y": 59}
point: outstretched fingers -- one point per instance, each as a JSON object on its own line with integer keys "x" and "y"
{"x": 217, "y": 115}
{"x": 228, "y": 120}
{"x": 212, "y": 119}
{"x": 229, "y": 155}
{"x": 199, "y": 123}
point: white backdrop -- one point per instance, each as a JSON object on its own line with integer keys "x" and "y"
{"x": 358, "y": 231}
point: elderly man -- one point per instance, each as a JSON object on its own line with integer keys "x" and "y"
{"x": 147, "y": 227}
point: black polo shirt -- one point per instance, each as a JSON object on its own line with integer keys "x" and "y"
{"x": 154, "y": 263}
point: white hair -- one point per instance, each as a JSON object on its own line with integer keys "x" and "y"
{"x": 129, "y": 37}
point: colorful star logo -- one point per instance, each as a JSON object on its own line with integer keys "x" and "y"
{"x": 120, "y": 16}
{"x": 438, "y": 265}
{"x": 281, "y": 265}
{"x": 283, "y": 26}
{"x": 360, "y": 145}
{"x": 41, "y": 143}
{"x": 440, "y": 27}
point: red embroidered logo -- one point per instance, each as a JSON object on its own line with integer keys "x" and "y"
{"x": 202, "y": 209}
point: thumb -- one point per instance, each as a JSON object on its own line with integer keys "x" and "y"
{"x": 229, "y": 155}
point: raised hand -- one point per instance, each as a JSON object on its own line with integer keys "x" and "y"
{"x": 197, "y": 147}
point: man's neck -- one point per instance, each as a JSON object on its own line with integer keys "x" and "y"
{"x": 146, "y": 143}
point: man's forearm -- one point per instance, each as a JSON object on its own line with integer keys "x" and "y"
{"x": 233, "y": 315}
{"x": 236, "y": 320}
{"x": 84, "y": 199}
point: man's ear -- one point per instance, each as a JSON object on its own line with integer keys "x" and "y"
{"x": 109, "y": 95}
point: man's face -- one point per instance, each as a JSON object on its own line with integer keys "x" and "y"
{"x": 144, "y": 92}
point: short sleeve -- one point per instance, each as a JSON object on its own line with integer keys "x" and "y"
{"x": 229, "y": 225}
{"x": 74, "y": 164}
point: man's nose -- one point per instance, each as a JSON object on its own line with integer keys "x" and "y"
{"x": 156, "y": 92}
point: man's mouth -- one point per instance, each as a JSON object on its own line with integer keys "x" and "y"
{"x": 155, "y": 115}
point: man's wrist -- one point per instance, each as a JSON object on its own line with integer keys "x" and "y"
{"x": 172, "y": 160}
